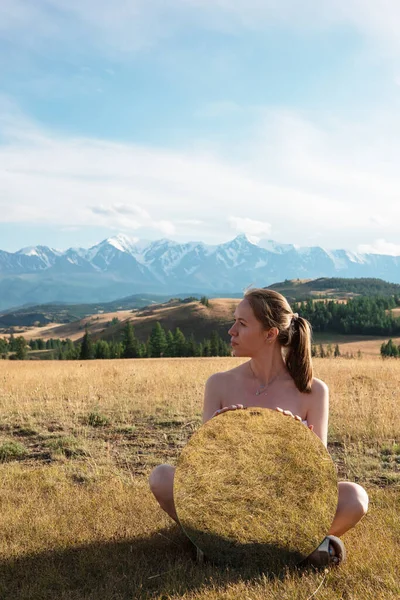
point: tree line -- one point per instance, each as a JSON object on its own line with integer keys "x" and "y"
{"x": 160, "y": 343}
{"x": 364, "y": 286}
{"x": 364, "y": 315}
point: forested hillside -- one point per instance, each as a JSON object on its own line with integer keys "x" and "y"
{"x": 364, "y": 315}
{"x": 335, "y": 287}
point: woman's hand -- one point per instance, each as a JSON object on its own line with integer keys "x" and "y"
{"x": 288, "y": 413}
{"x": 226, "y": 408}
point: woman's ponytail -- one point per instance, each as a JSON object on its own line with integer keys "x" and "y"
{"x": 298, "y": 355}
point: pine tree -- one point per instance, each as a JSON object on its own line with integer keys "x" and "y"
{"x": 389, "y": 348}
{"x": 102, "y": 349}
{"x": 179, "y": 343}
{"x": 170, "y": 347}
{"x": 87, "y": 351}
{"x": 130, "y": 343}
{"x": 191, "y": 347}
{"x": 71, "y": 352}
{"x": 214, "y": 343}
{"x": 204, "y": 300}
{"x": 3, "y": 348}
{"x": 157, "y": 341}
{"x": 116, "y": 349}
{"x": 223, "y": 349}
{"x": 206, "y": 348}
{"x": 12, "y": 343}
{"x": 21, "y": 350}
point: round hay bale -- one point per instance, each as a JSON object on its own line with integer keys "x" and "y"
{"x": 255, "y": 487}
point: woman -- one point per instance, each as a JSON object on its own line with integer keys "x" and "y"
{"x": 278, "y": 376}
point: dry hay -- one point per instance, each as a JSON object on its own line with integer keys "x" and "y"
{"x": 255, "y": 487}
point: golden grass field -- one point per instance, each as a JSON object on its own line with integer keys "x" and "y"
{"x": 78, "y": 521}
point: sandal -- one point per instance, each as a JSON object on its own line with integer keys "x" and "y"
{"x": 331, "y": 552}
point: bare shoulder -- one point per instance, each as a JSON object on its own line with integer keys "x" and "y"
{"x": 319, "y": 388}
{"x": 223, "y": 378}
{"x": 216, "y": 380}
{"x": 319, "y": 395}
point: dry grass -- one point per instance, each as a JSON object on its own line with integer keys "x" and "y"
{"x": 192, "y": 316}
{"x": 74, "y": 330}
{"x": 79, "y": 522}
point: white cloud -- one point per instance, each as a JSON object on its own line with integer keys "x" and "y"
{"x": 122, "y": 209}
{"x": 249, "y": 226}
{"x": 189, "y": 222}
{"x": 380, "y": 247}
{"x": 294, "y": 177}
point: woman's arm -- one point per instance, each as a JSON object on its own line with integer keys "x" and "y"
{"x": 318, "y": 409}
{"x": 213, "y": 395}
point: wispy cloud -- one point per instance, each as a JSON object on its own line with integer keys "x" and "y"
{"x": 121, "y": 27}
{"x": 293, "y": 177}
{"x": 129, "y": 218}
{"x": 250, "y": 226}
{"x": 380, "y": 247}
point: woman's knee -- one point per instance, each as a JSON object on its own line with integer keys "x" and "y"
{"x": 161, "y": 477}
{"x": 362, "y": 498}
{"x": 355, "y": 496}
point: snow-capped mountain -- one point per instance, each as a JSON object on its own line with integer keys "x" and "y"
{"x": 120, "y": 266}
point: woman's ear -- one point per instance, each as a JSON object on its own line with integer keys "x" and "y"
{"x": 271, "y": 334}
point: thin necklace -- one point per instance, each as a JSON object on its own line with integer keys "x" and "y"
{"x": 261, "y": 390}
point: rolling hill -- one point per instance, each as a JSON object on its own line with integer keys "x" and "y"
{"x": 190, "y": 317}
{"x": 293, "y": 289}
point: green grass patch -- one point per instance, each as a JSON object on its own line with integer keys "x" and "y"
{"x": 96, "y": 419}
{"x": 390, "y": 448}
{"x": 126, "y": 429}
{"x": 67, "y": 445}
{"x": 12, "y": 451}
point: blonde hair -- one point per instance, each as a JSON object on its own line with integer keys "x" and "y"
{"x": 273, "y": 310}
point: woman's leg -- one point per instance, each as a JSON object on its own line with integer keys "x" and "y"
{"x": 352, "y": 502}
{"x": 352, "y": 506}
{"x": 161, "y": 481}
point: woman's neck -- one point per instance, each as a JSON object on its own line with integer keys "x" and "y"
{"x": 268, "y": 367}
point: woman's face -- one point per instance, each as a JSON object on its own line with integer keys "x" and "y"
{"x": 247, "y": 335}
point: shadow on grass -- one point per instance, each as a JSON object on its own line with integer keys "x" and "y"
{"x": 156, "y": 566}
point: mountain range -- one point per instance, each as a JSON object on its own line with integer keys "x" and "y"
{"x": 120, "y": 266}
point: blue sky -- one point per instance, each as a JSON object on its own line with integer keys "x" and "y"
{"x": 199, "y": 120}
